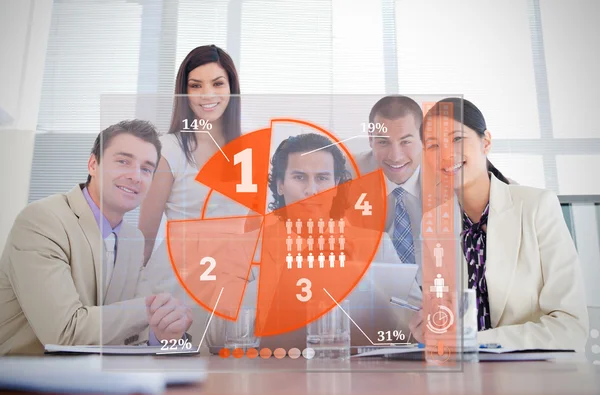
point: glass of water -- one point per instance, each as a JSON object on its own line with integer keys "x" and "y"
{"x": 468, "y": 309}
{"x": 329, "y": 336}
{"x": 240, "y": 333}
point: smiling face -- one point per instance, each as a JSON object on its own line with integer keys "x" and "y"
{"x": 305, "y": 176}
{"x": 397, "y": 152}
{"x": 208, "y": 87}
{"x": 466, "y": 160}
{"x": 121, "y": 179}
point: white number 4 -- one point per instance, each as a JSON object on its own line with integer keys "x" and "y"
{"x": 362, "y": 204}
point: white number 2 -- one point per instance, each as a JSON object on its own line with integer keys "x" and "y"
{"x": 206, "y": 276}
{"x": 362, "y": 204}
{"x": 245, "y": 158}
{"x": 305, "y": 284}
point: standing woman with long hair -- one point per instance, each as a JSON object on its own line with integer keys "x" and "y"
{"x": 518, "y": 253}
{"x": 205, "y": 92}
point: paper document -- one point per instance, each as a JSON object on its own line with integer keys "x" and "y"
{"x": 117, "y": 350}
{"x": 495, "y": 354}
{"x": 524, "y": 355}
{"x": 382, "y": 352}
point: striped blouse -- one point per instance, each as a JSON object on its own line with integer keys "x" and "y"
{"x": 473, "y": 244}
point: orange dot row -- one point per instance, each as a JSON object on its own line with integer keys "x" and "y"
{"x": 266, "y": 353}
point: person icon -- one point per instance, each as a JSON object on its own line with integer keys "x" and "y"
{"x": 310, "y": 242}
{"x": 321, "y": 260}
{"x": 342, "y": 241}
{"x": 289, "y": 259}
{"x": 331, "y": 260}
{"x": 438, "y": 287}
{"x": 342, "y": 259}
{"x": 331, "y": 224}
{"x": 321, "y": 225}
{"x": 310, "y": 260}
{"x": 341, "y": 225}
{"x": 438, "y": 253}
{"x": 321, "y": 243}
{"x": 288, "y": 243}
{"x": 299, "y": 243}
{"x": 299, "y": 261}
{"x": 310, "y": 224}
{"x": 298, "y": 226}
{"x": 331, "y": 242}
{"x": 288, "y": 226}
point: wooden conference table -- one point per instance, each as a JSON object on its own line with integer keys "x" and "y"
{"x": 379, "y": 376}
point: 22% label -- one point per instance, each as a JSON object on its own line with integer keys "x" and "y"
{"x": 175, "y": 344}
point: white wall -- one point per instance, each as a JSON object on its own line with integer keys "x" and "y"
{"x": 24, "y": 30}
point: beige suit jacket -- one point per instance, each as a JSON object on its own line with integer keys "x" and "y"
{"x": 533, "y": 274}
{"x": 51, "y": 280}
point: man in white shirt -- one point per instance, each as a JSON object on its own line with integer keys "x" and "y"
{"x": 398, "y": 153}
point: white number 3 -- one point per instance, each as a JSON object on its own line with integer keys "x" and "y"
{"x": 306, "y": 289}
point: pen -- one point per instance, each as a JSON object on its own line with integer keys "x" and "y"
{"x": 490, "y": 345}
{"x": 402, "y": 303}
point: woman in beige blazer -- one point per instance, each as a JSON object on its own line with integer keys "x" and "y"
{"x": 518, "y": 253}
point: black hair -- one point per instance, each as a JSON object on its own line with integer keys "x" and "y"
{"x": 305, "y": 143}
{"x": 181, "y": 108}
{"x": 396, "y": 106}
{"x": 143, "y": 130}
{"x": 468, "y": 114}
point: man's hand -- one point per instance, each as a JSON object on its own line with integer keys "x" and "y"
{"x": 416, "y": 326}
{"x": 169, "y": 318}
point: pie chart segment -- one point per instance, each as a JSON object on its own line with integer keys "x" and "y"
{"x": 309, "y": 259}
{"x": 210, "y": 255}
{"x": 241, "y": 171}
{"x": 313, "y": 252}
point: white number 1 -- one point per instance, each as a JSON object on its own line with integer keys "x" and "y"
{"x": 245, "y": 158}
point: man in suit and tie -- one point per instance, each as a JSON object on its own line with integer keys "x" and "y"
{"x": 294, "y": 177}
{"x": 398, "y": 153}
{"x": 71, "y": 264}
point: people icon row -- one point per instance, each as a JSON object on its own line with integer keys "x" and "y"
{"x": 310, "y": 259}
{"x": 310, "y": 242}
{"x": 310, "y": 225}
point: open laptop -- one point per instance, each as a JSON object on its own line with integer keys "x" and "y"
{"x": 370, "y": 306}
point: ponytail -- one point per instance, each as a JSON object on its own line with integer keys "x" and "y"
{"x": 492, "y": 169}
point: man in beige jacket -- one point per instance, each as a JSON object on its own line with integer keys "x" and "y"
{"x": 69, "y": 271}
